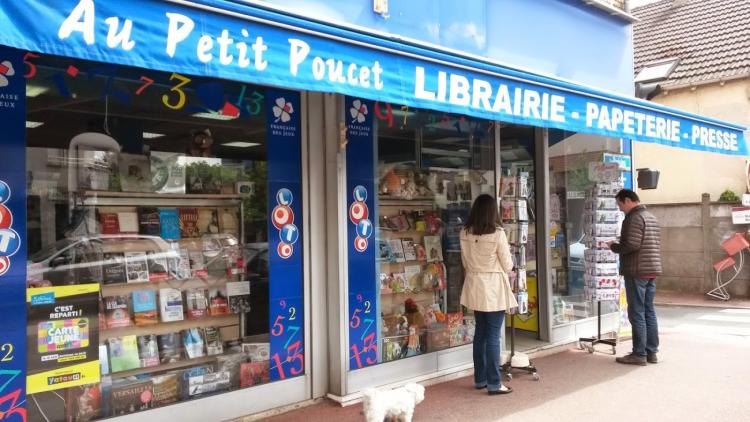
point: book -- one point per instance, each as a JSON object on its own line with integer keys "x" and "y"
{"x": 179, "y": 265}
{"x": 521, "y": 210}
{"x": 208, "y": 220}
{"x": 169, "y": 224}
{"x": 158, "y": 267}
{"x": 212, "y": 338}
{"x": 522, "y": 189}
{"x": 170, "y": 305}
{"x": 83, "y": 403}
{"x": 170, "y": 347}
{"x": 109, "y": 223}
{"x": 196, "y": 303}
{"x": 230, "y": 363}
{"x": 397, "y": 249}
{"x": 128, "y": 222}
{"x": 189, "y": 222}
{"x": 257, "y": 352}
{"x": 420, "y": 252}
{"x": 218, "y": 304}
{"x": 113, "y": 268}
{"x": 508, "y": 186}
{"x": 410, "y": 254}
{"x": 148, "y": 350}
{"x": 144, "y": 307}
{"x": 130, "y": 397}
{"x": 136, "y": 267}
{"x": 123, "y": 353}
{"x": 254, "y": 373}
{"x": 523, "y": 233}
{"x": 149, "y": 221}
{"x": 434, "y": 248}
{"x": 103, "y": 359}
{"x": 135, "y": 173}
{"x": 198, "y": 264}
{"x": 116, "y": 311}
{"x": 238, "y": 295}
{"x": 192, "y": 342}
{"x": 229, "y": 221}
{"x": 413, "y": 276}
{"x": 166, "y": 389}
{"x": 167, "y": 172}
{"x": 508, "y": 210}
{"x": 210, "y": 382}
{"x": 385, "y": 253}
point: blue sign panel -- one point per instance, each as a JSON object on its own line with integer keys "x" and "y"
{"x": 170, "y": 37}
{"x": 12, "y": 236}
{"x": 361, "y": 244}
{"x": 286, "y": 308}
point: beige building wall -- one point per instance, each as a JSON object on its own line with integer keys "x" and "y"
{"x": 686, "y": 174}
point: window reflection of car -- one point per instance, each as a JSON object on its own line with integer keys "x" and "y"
{"x": 256, "y": 262}
{"x": 79, "y": 260}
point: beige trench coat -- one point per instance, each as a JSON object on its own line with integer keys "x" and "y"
{"x": 487, "y": 262}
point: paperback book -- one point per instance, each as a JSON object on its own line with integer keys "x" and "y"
{"x": 137, "y": 267}
{"x": 149, "y": 221}
{"x": 169, "y": 224}
{"x": 198, "y": 264}
{"x": 254, "y": 373}
{"x": 109, "y": 223}
{"x": 238, "y": 295}
{"x": 144, "y": 307}
{"x": 130, "y": 397}
{"x": 196, "y": 303}
{"x": 83, "y": 403}
{"x": 148, "y": 350}
{"x": 212, "y": 338}
{"x": 128, "y": 222}
{"x": 116, "y": 311}
{"x": 123, "y": 353}
{"x": 208, "y": 220}
{"x": 166, "y": 389}
{"x": 179, "y": 265}
{"x": 113, "y": 268}
{"x": 385, "y": 253}
{"x": 192, "y": 342}
{"x": 170, "y": 347}
{"x": 135, "y": 173}
{"x": 189, "y": 222}
{"x": 158, "y": 267}
{"x": 170, "y": 304}
{"x": 434, "y": 248}
{"x": 218, "y": 304}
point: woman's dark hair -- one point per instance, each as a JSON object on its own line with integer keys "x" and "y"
{"x": 483, "y": 218}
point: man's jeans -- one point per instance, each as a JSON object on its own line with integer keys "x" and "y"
{"x": 640, "y": 293}
{"x": 487, "y": 349}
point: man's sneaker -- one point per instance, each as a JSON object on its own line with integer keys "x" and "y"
{"x": 651, "y": 358}
{"x": 632, "y": 359}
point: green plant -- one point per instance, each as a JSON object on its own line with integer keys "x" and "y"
{"x": 729, "y": 196}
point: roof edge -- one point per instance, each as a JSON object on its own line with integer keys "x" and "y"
{"x": 601, "y": 5}
{"x": 705, "y": 82}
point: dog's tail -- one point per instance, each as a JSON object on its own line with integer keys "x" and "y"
{"x": 368, "y": 395}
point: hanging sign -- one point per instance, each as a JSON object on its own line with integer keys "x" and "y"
{"x": 172, "y": 37}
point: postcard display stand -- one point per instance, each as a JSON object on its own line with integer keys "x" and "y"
{"x": 602, "y": 279}
{"x": 514, "y": 191}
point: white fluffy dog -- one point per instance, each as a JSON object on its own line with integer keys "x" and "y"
{"x": 397, "y": 404}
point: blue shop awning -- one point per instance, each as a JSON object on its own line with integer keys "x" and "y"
{"x": 222, "y": 39}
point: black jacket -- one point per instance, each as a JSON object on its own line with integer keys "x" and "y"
{"x": 640, "y": 244}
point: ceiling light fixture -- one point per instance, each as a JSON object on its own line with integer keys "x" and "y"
{"x": 214, "y": 115}
{"x": 240, "y": 144}
{"x": 151, "y": 135}
{"x": 35, "y": 90}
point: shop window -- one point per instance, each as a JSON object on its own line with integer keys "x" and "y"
{"x": 154, "y": 267}
{"x": 574, "y": 160}
{"x": 428, "y": 167}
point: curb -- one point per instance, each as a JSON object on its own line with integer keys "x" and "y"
{"x": 723, "y": 305}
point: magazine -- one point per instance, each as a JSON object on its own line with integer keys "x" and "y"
{"x": 137, "y": 267}
{"x": 434, "y": 248}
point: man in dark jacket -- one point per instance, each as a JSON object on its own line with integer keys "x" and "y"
{"x": 640, "y": 263}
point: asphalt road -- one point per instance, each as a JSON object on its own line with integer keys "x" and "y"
{"x": 703, "y": 375}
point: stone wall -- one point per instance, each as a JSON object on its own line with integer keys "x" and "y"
{"x": 691, "y": 237}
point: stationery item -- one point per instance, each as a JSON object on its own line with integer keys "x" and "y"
{"x": 123, "y": 353}
{"x": 521, "y": 210}
{"x": 116, "y": 311}
{"x": 508, "y": 209}
{"x": 171, "y": 308}
{"x": 508, "y": 186}
{"x": 397, "y": 249}
{"x": 420, "y": 252}
{"x": 144, "y": 307}
{"x": 385, "y": 254}
{"x": 410, "y": 253}
{"x": 137, "y": 267}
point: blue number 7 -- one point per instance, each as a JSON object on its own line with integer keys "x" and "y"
{"x": 369, "y": 322}
{"x": 294, "y": 329}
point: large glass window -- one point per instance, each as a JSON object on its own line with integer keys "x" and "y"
{"x": 583, "y": 216}
{"x": 430, "y": 166}
{"x": 149, "y": 239}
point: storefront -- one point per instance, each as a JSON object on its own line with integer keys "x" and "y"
{"x": 216, "y": 202}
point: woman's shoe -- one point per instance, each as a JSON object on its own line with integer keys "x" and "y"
{"x": 507, "y": 390}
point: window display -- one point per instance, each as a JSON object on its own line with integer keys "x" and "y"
{"x": 583, "y": 217}
{"x": 148, "y": 198}
{"x": 430, "y": 166}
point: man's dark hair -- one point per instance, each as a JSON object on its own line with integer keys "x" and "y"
{"x": 483, "y": 218}
{"x": 627, "y": 194}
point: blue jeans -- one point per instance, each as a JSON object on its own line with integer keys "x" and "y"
{"x": 640, "y": 293}
{"x": 487, "y": 349}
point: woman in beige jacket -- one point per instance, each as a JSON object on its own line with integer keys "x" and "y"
{"x": 485, "y": 254}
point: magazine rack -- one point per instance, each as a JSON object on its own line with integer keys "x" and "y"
{"x": 736, "y": 244}
{"x": 593, "y": 341}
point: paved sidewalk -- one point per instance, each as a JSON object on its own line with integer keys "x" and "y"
{"x": 698, "y": 299}
{"x": 699, "y": 378}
